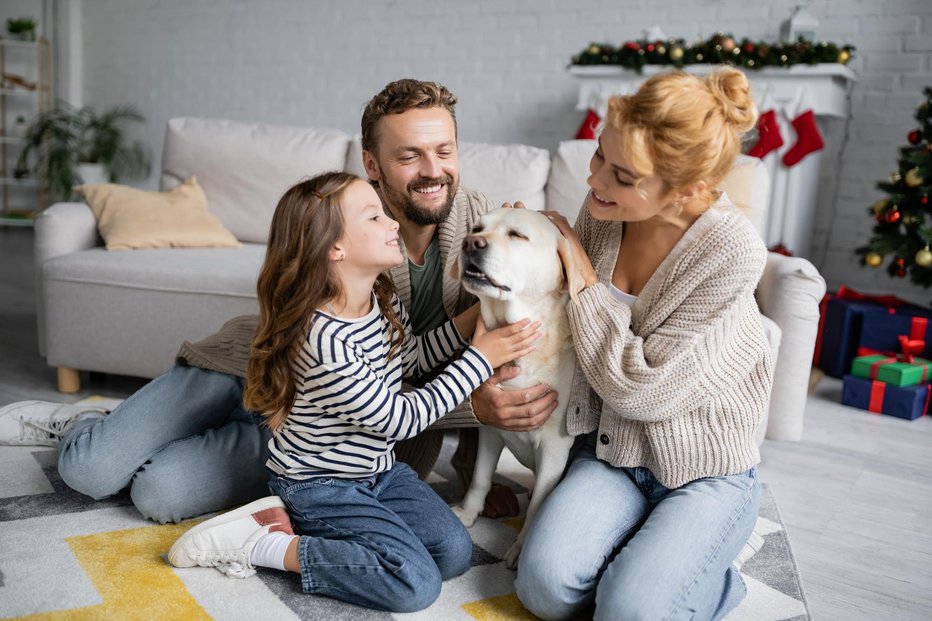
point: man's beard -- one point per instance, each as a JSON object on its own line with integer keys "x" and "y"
{"x": 415, "y": 213}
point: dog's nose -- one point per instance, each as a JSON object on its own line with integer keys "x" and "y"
{"x": 473, "y": 243}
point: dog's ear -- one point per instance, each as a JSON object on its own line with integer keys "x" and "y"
{"x": 455, "y": 267}
{"x": 573, "y": 281}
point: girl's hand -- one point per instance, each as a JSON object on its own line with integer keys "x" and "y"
{"x": 507, "y": 343}
{"x": 579, "y": 258}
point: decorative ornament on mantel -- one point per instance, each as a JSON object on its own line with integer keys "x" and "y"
{"x": 718, "y": 49}
{"x": 903, "y": 228}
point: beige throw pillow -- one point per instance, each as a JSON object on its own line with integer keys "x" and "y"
{"x": 131, "y": 218}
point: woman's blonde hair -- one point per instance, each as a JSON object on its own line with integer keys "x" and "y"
{"x": 297, "y": 278}
{"x": 684, "y": 129}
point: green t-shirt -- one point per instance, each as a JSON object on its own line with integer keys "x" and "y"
{"x": 427, "y": 310}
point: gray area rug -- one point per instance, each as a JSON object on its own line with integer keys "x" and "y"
{"x": 63, "y": 555}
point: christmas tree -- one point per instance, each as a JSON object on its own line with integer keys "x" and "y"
{"x": 903, "y": 232}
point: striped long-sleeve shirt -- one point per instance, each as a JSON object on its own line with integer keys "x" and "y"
{"x": 349, "y": 409}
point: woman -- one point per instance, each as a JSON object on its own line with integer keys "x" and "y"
{"x": 674, "y": 369}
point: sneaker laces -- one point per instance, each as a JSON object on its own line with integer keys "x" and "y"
{"x": 236, "y": 570}
{"x": 46, "y": 428}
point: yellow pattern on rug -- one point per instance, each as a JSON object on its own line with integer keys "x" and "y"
{"x": 133, "y": 580}
{"x": 501, "y": 608}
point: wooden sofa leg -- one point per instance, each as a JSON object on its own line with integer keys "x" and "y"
{"x": 68, "y": 380}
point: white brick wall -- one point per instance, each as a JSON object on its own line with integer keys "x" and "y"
{"x": 317, "y": 62}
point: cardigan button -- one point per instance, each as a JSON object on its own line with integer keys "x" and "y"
{"x": 603, "y": 438}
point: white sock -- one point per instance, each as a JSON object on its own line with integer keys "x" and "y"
{"x": 270, "y": 550}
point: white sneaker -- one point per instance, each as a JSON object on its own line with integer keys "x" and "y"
{"x": 226, "y": 541}
{"x": 42, "y": 423}
{"x": 751, "y": 547}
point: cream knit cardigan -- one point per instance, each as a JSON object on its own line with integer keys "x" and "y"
{"x": 679, "y": 381}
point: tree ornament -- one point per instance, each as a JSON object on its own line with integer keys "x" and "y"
{"x": 879, "y": 205}
{"x": 676, "y": 53}
{"x": 914, "y": 136}
{"x": 728, "y": 44}
{"x": 924, "y": 200}
{"x": 895, "y": 177}
{"x": 900, "y": 262}
{"x": 893, "y": 216}
{"x": 901, "y": 272}
{"x": 910, "y": 220}
{"x": 924, "y": 257}
{"x": 913, "y": 178}
{"x": 844, "y": 56}
{"x": 873, "y": 259}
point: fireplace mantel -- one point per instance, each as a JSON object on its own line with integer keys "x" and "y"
{"x": 823, "y": 88}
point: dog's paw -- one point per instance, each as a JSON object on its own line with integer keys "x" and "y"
{"x": 468, "y": 518}
{"x": 511, "y": 556}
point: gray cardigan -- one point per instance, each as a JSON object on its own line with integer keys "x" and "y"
{"x": 678, "y": 382}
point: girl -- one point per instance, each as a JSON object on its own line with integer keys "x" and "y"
{"x": 329, "y": 356}
{"x": 673, "y": 369}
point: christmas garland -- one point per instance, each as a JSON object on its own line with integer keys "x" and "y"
{"x": 720, "y": 48}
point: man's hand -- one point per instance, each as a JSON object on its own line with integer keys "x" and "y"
{"x": 512, "y": 410}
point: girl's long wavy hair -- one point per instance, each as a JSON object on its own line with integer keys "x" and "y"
{"x": 297, "y": 278}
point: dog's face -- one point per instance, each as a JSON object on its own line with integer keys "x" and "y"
{"x": 512, "y": 253}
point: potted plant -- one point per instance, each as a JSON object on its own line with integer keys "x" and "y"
{"x": 22, "y": 28}
{"x": 61, "y": 141}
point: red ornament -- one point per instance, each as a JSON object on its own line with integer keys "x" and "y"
{"x": 900, "y": 262}
{"x": 901, "y": 272}
{"x": 914, "y": 136}
{"x": 893, "y": 216}
{"x": 748, "y": 48}
{"x": 924, "y": 200}
{"x": 650, "y": 47}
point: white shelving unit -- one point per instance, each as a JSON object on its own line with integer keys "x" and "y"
{"x": 29, "y": 62}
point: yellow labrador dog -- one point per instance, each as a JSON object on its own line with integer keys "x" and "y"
{"x": 518, "y": 264}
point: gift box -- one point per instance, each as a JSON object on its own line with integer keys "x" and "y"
{"x": 884, "y": 332}
{"x": 840, "y": 322}
{"x": 909, "y": 402}
{"x": 896, "y": 370}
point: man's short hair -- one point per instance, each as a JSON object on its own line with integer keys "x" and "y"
{"x": 400, "y": 96}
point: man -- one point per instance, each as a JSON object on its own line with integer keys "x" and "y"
{"x": 185, "y": 445}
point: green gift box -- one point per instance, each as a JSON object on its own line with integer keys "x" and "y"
{"x": 890, "y": 370}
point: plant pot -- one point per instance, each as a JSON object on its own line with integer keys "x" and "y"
{"x": 92, "y": 174}
{"x": 25, "y": 35}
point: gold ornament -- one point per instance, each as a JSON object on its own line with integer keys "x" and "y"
{"x": 844, "y": 56}
{"x": 879, "y": 205}
{"x": 676, "y": 53}
{"x": 873, "y": 259}
{"x": 895, "y": 176}
{"x": 728, "y": 44}
{"x": 913, "y": 178}
{"x": 661, "y": 49}
{"x": 924, "y": 257}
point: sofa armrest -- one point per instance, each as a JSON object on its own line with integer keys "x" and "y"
{"x": 789, "y": 293}
{"x": 63, "y": 228}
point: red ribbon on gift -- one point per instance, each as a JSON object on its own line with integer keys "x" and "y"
{"x": 875, "y": 404}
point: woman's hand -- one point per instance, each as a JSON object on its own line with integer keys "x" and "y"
{"x": 579, "y": 258}
{"x": 502, "y": 345}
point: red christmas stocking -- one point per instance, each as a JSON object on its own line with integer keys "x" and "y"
{"x": 768, "y": 133}
{"x": 808, "y": 139}
{"x": 588, "y": 127}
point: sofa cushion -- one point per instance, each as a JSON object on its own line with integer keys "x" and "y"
{"x": 128, "y": 312}
{"x": 569, "y": 170}
{"x": 131, "y": 218}
{"x": 503, "y": 172}
{"x": 244, "y": 168}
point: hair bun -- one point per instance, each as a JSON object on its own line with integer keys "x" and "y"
{"x": 733, "y": 91}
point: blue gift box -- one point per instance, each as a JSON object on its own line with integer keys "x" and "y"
{"x": 881, "y": 331}
{"x": 907, "y": 402}
{"x": 842, "y": 332}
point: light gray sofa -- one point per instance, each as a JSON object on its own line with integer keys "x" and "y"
{"x": 126, "y": 312}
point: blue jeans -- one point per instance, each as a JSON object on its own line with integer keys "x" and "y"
{"x": 383, "y": 542}
{"x": 183, "y": 443}
{"x": 619, "y": 539}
